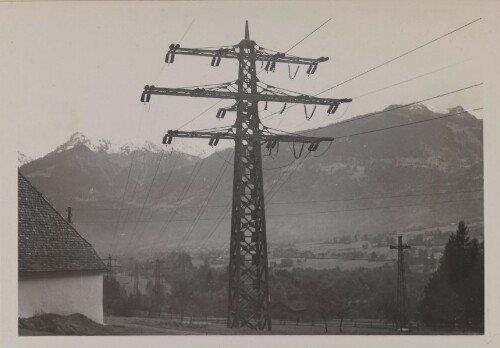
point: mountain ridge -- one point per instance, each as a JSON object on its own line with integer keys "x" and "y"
{"x": 162, "y": 197}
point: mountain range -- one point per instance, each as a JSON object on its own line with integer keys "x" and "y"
{"x": 379, "y": 175}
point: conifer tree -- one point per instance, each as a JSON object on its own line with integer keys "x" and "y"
{"x": 454, "y": 296}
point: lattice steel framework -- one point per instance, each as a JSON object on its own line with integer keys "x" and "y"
{"x": 248, "y": 291}
{"x": 248, "y": 274}
{"x": 401, "y": 299}
{"x": 136, "y": 279}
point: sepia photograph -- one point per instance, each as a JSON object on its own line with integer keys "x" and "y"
{"x": 323, "y": 170}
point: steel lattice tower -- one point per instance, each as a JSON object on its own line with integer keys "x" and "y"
{"x": 248, "y": 292}
{"x": 401, "y": 300}
{"x": 157, "y": 283}
{"x": 136, "y": 279}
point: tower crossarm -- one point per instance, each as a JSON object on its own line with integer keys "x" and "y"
{"x": 216, "y": 136}
{"x": 403, "y": 246}
{"x": 232, "y": 52}
{"x": 205, "y": 93}
{"x": 226, "y": 52}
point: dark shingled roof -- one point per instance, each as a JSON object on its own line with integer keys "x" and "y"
{"x": 46, "y": 241}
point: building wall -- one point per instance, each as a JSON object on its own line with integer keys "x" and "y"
{"x": 61, "y": 293}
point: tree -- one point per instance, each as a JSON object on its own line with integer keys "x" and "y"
{"x": 432, "y": 261}
{"x": 385, "y": 304}
{"x": 324, "y": 304}
{"x": 181, "y": 293}
{"x": 138, "y": 300}
{"x": 342, "y": 309}
{"x": 114, "y": 297}
{"x": 454, "y": 295}
{"x": 156, "y": 297}
{"x": 182, "y": 276}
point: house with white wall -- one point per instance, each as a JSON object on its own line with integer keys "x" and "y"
{"x": 58, "y": 270}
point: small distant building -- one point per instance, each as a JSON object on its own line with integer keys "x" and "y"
{"x": 291, "y": 311}
{"x": 59, "y": 271}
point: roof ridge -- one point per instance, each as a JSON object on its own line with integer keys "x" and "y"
{"x": 63, "y": 219}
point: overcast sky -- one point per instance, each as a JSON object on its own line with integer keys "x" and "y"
{"x": 82, "y": 66}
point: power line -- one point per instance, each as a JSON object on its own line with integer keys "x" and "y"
{"x": 401, "y": 55}
{"x": 139, "y": 175}
{"x": 201, "y": 113}
{"x": 212, "y": 190}
{"x": 377, "y": 208}
{"x": 132, "y": 235}
{"x": 182, "y": 38}
{"x": 367, "y": 71}
{"x": 405, "y": 105}
{"x": 221, "y": 218}
{"x": 407, "y": 124}
{"x": 169, "y": 175}
{"x": 122, "y": 202}
{"x": 378, "y": 197}
{"x": 350, "y": 210}
{"x": 410, "y": 79}
{"x": 312, "y": 32}
{"x": 194, "y": 174}
{"x": 186, "y": 31}
{"x": 228, "y": 209}
{"x": 389, "y": 61}
{"x": 149, "y": 192}
{"x": 377, "y": 130}
{"x": 406, "y": 195}
{"x": 390, "y": 86}
{"x": 369, "y": 115}
{"x": 270, "y": 196}
{"x": 300, "y": 41}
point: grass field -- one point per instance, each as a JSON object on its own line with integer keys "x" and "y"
{"x": 77, "y": 324}
{"x": 173, "y": 327}
{"x": 329, "y": 263}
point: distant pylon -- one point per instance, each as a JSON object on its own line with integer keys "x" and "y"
{"x": 136, "y": 279}
{"x": 157, "y": 287}
{"x": 109, "y": 266}
{"x": 401, "y": 300}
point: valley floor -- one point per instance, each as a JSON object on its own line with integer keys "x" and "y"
{"x": 54, "y": 325}
{"x": 169, "y": 327}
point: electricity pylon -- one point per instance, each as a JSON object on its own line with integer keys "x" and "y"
{"x": 157, "y": 290}
{"x": 109, "y": 266}
{"x": 248, "y": 293}
{"x": 136, "y": 279}
{"x": 401, "y": 301}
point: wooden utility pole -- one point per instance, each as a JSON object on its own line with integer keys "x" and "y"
{"x": 401, "y": 300}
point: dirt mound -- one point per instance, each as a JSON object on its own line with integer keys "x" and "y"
{"x": 74, "y": 324}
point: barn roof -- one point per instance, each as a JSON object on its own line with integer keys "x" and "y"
{"x": 46, "y": 241}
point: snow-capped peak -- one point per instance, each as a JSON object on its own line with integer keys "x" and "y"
{"x": 78, "y": 138}
{"x": 22, "y": 159}
{"x": 187, "y": 146}
{"x": 74, "y": 140}
{"x": 419, "y": 107}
